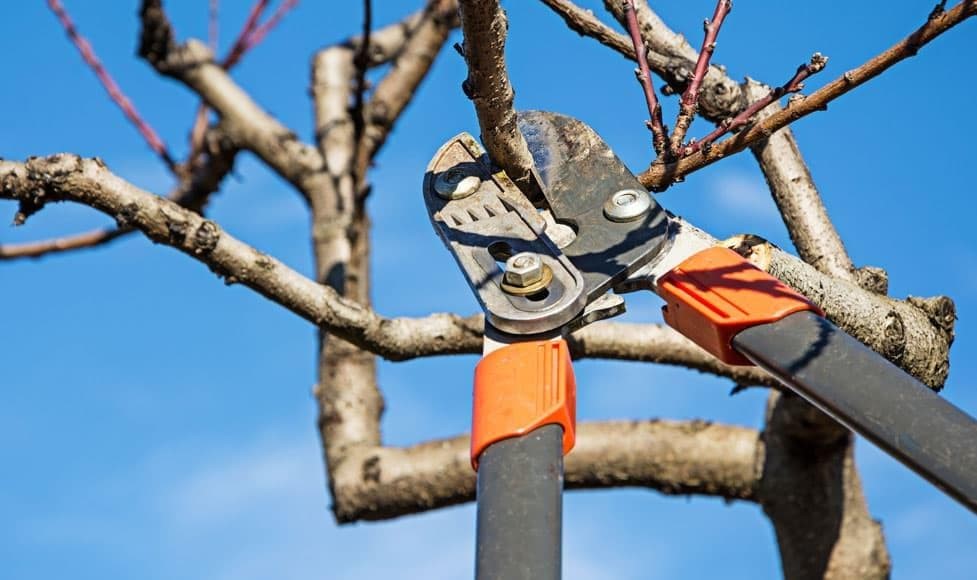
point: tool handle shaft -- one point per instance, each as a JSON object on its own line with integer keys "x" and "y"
{"x": 520, "y": 507}
{"x": 871, "y": 396}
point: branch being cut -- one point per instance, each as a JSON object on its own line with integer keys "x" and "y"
{"x": 485, "y": 26}
{"x": 661, "y": 176}
{"x": 672, "y": 457}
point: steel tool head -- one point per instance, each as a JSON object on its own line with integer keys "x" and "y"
{"x": 608, "y": 225}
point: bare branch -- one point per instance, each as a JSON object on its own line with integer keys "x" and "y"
{"x": 394, "y": 92}
{"x": 794, "y": 85}
{"x": 193, "y": 192}
{"x": 584, "y": 23}
{"x": 485, "y": 27}
{"x": 793, "y": 189}
{"x": 673, "y": 457}
{"x": 658, "y": 131}
{"x": 915, "y": 339}
{"x": 660, "y": 176}
{"x": 115, "y": 92}
{"x": 690, "y": 98}
{"x": 245, "y": 122}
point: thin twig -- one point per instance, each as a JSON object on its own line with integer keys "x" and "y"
{"x": 115, "y": 92}
{"x": 658, "y": 131}
{"x": 240, "y": 45}
{"x": 660, "y": 176}
{"x": 262, "y": 30}
{"x": 690, "y": 98}
{"x": 795, "y": 84}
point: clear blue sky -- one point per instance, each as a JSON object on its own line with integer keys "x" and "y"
{"x": 156, "y": 424}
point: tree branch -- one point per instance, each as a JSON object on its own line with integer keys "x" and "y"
{"x": 672, "y": 457}
{"x": 394, "y": 92}
{"x": 690, "y": 98}
{"x": 584, "y": 23}
{"x": 659, "y": 133}
{"x": 660, "y": 176}
{"x": 245, "y": 122}
{"x": 485, "y": 27}
{"x": 113, "y": 89}
{"x": 193, "y": 192}
{"x": 915, "y": 339}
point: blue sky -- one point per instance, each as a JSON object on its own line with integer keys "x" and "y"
{"x": 155, "y": 423}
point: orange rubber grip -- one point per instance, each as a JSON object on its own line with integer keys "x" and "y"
{"x": 716, "y": 293}
{"x": 520, "y": 388}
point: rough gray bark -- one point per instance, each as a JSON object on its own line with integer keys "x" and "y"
{"x": 672, "y": 457}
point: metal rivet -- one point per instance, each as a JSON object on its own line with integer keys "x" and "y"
{"x": 456, "y": 183}
{"x": 627, "y": 205}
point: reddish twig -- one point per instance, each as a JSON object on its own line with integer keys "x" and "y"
{"x": 120, "y": 99}
{"x": 262, "y": 30}
{"x": 655, "y": 124}
{"x": 240, "y": 45}
{"x": 251, "y": 34}
{"x": 795, "y": 84}
{"x": 690, "y": 98}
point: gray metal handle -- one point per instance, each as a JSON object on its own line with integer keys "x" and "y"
{"x": 871, "y": 396}
{"x": 520, "y": 507}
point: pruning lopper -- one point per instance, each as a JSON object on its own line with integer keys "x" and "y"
{"x": 541, "y": 273}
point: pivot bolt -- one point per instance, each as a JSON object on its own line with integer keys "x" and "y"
{"x": 456, "y": 183}
{"x": 523, "y": 269}
{"x": 627, "y": 205}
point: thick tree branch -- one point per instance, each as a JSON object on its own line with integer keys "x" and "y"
{"x": 797, "y": 198}
{"x": 660, "y": 176}
{"x": 248, "y": 125}
{"x": 673, "y": 457}
{"x": 196, "y": 186}
{"x": 913, "y": 337}
{"x": 485, "y": 27}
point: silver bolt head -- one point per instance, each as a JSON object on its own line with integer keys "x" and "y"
{"x": 456, "y": 183}
{"x": 627, "y": 205}
{"x": 523, "y": 269}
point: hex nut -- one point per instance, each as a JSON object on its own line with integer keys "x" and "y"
{"x": 523, "y": 269}
{"x": 456, "y": 183}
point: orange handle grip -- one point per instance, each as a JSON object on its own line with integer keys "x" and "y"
{"x": 716, "y": 293}
{"x": 522, "y": 387}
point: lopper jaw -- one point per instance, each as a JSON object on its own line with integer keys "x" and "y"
{"x": 615, "y": 227}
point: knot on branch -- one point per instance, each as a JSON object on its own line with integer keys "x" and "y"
{"x": 156, "y": 36}
{"x": 873, "y": 279}
{"x": 893, "y": 337}
{"x": 941, "y": 311}
{"x": 206, "y": 237}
